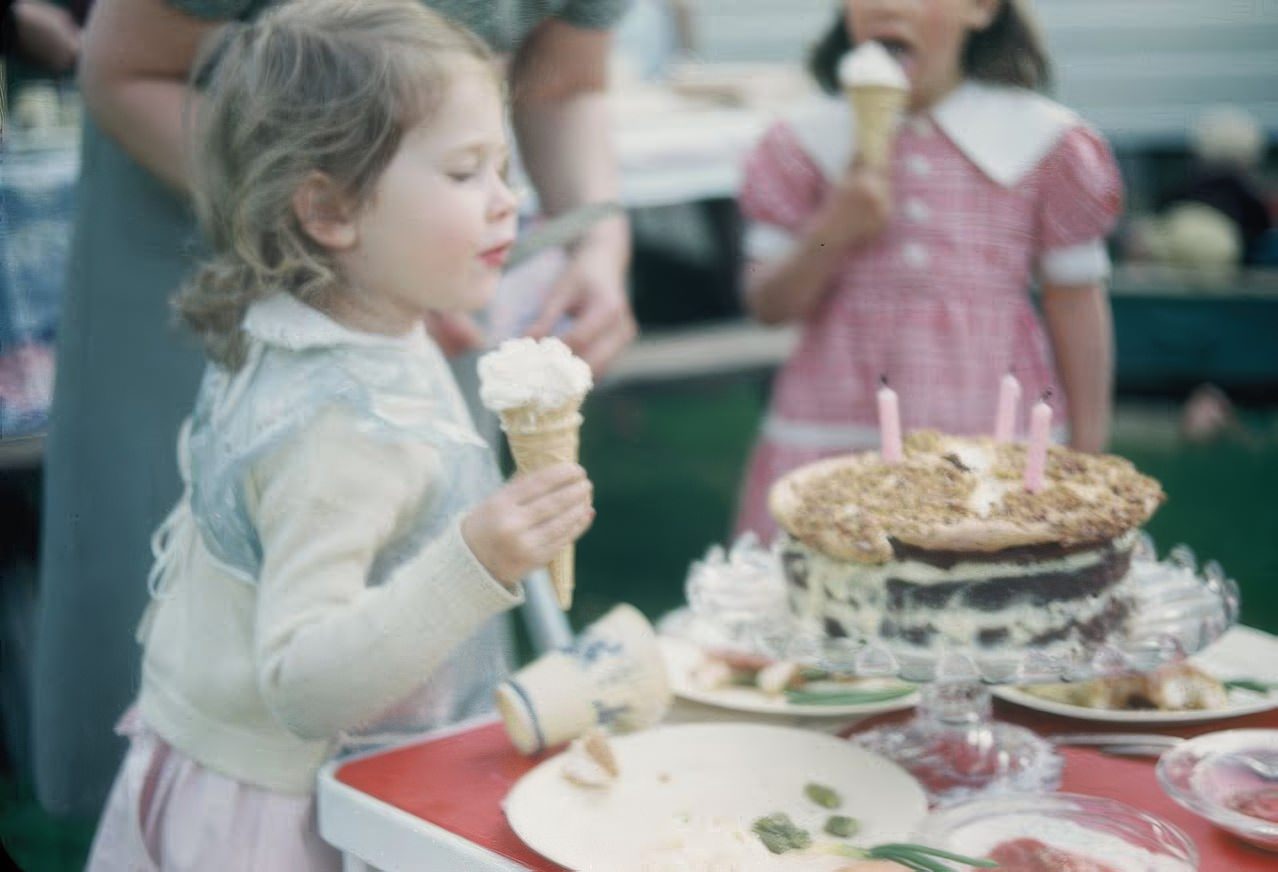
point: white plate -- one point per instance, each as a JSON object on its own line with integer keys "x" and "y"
{"x": 709, "y": 781}
{"x": 1241, "y": 653}
{"x": 683, "y": 657}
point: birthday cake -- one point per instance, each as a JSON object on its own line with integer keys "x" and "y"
{"x": 948, "y": 547}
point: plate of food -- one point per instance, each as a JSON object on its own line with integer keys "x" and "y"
{"x": 1237, "y": 675}
{"x": 714, "y": 796}
{"x": 755, "y": 684}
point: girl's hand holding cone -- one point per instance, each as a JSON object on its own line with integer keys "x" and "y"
{"x": 527, "y": 522}
{"x": 857, "y": 209}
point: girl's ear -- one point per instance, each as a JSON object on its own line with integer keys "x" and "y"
{"x": 981, "y": 13}
{"x": 324, "y": 213}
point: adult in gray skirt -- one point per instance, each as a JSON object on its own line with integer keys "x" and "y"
{"x": 127, "y": 377}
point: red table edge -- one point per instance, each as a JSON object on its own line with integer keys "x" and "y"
{"x": 494, "y": 836}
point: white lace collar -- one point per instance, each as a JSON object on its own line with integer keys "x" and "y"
{"x": 1004, "y": 131}
{"x": 283, "y": 320}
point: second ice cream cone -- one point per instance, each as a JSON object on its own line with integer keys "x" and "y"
{"x": 878, "y": 90}
{"x": 539, "y": 438}
{"x": 877, "y": 109}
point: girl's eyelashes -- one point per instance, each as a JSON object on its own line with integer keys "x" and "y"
{"x": 500, "y": 165}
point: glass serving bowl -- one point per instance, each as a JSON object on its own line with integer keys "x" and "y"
{"x": 1115, "y": 837}
{"x": 740, "y": 600}
{"x": 1231, "y": 779}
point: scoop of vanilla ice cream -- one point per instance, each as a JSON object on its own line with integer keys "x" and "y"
{"x": 543, "y": 373}
{"x": 870, "y": 64}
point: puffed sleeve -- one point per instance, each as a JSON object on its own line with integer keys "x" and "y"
{"x": 594, "y": 14}
{"x": 781, "y": 187}
{"x": 220, "y": 9}
{"x": 1081, "y": 200}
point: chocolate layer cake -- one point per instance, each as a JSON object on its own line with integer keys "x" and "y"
{"x": 948, "y": 548}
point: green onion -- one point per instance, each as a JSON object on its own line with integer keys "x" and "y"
{"x": 846, "y": 697}
{"x": 922, "y": 864}
{"x": 842, "y": 826}
{"x": 925, "y": 859}
{"x": 1249, "y": 684}
{"x": 826, "y": 797}
{"x": 779, "y": 834}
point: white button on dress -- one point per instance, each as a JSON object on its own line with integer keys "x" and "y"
{"x": 915, "y": 255}
{"x": 918, "y": 165}
{"x": 917, "y": 211}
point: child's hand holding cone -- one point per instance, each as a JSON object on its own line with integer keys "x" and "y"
{"x": 527, "y": 523}
{"x": 858, "y": 208}
{"x": 537, "y": 388}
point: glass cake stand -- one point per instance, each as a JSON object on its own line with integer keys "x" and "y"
{"x": 738, "y": 600}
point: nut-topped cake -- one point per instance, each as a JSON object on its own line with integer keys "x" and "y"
{"x": 948, "y": 547}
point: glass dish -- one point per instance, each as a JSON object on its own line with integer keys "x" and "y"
{"x": 1112, "y": 835}
{"x": 1231, "y": 779}
{"x": 952, "y": 746}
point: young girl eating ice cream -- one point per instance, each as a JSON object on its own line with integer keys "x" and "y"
{"x": 917, "y": 265}
{"x": 340, "y": 563}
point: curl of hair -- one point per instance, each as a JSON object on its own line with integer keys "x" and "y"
{"x": 1010, "y": 51}
{"x": 321, "y": 86}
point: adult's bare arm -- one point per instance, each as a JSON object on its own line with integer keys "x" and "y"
{"x": 559, "y": 80}
{"x": 136, "y": 57}
{"x": 44, "y": 33}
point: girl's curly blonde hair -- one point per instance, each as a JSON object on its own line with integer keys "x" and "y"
{"x": 314, "y": 85}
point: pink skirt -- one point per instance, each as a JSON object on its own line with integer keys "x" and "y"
{"x": 167, "y": 813}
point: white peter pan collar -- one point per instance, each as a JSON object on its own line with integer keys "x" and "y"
{"x": 1005, "y": 131}
{"x": 285, "y": 321}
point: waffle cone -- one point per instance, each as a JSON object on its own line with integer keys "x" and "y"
{"x": 539, "y": 438}
{"x": 877, "y": 109}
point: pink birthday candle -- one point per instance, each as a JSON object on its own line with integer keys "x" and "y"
{"x": 1036, "y": 451}
{"x": 1009, "y": 397}
{"x": 889, "y": 423}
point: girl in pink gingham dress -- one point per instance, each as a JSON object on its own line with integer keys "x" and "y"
{"x": 921, "y": 273}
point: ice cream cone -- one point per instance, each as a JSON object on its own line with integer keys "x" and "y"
{"x": 877, "y": 109}
{"x": 877, "y": 89}
{"x": 537, "y": 386}
{"x": 539, "y": 438}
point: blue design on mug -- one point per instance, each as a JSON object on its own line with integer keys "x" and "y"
{"x": 589, "y": 650}
{"x": 606, "y": 715}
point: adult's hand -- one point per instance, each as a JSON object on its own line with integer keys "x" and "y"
{"x": 591, "y": 293}
{"x": 454, "y": 332}
{"x": 46, "y": 34}
{"x": 558, "y": 79}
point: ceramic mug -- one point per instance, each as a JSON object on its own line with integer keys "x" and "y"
{"x": 613, "y": 676}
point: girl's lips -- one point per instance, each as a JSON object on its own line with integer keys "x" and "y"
{"x": 496, "y": 256}
{"x": 908, "y": 64}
